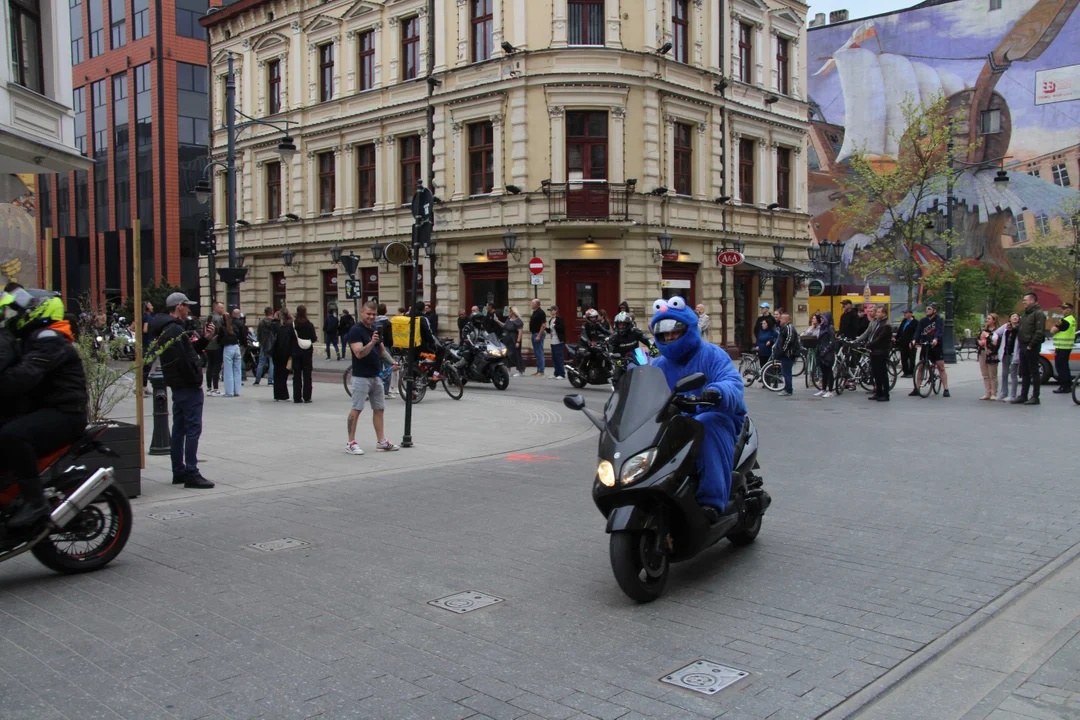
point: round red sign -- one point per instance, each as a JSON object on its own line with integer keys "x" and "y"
{"x": 536, "y": 266}
{"x": 729, "y": 258}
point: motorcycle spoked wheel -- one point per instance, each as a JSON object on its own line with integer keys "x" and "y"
{"x": 419, "y": 387}
{"x": 500, "y": 377}
{"x": 92, "y": 540}
{"x": 641, "y": 572}
{"x": 452, "y": 382}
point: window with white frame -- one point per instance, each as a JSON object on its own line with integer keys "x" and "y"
{"x": 1021, "y": 229}
{"x": 990, "y": 122}
{"x": 1061, "y": 175}
{"x": 1042, "y": 223}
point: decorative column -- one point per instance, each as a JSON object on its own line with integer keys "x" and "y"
{"x": 460, "y": 160}
{"x": 312, "y": 186}
{"x": 425, "y": 142}
{"x": 796, "y": 91}
{"x": 462, "y": 32}
{"x": 800, "y": 178}
{"x": 651, "y": 29}
{"x": 389, "y": 157}
{"x": 293, "y": 73}
{"x": 377, "y": 39}
{"x": 425, "y": 28}
{"x": 394, "y": 49}
{"x": 558, "y": 145}
{"x": 616, "y": 149}
{"x": 497, "y": 29}
{"x": 699, "y": 32}
{"x": 347, "y": 167}
{"x": 613, "y": 25}
{"x": 440, "y": 42}
{"x": 736, "y": 176}
{"x": 312, "y": 74}
{"x": 774, "y": 70}
{"x": 669, "y": 153}
{"x": 716, "y": 52}
{"x": 336, "y": 86}
{"x": 703, "y": 153}
{"x": 380, "y": 170}
{"x": 733, "y": 41}
{"x": 497, "y": 154}
{"x": 520, "y": 37}
{"x": 260, "y": 80}
{"x": 260, "y": 198}
{"x": 558, "y": 24}
{"x": 765, "y": 195}
{"x": 351, "y": 62}
{"x": 283, "y": 59}
{"x": 759, "y": 60}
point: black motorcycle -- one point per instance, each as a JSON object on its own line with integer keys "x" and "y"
{"x": 646, "y": 483}
{"x": 591, "y": 364}
{"x": 480, "y": 358}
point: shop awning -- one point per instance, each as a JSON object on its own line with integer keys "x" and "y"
{"x": 759, "y": 265}
{"x": 798, "y": 268}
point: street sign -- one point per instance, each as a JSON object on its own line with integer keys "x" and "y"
{"x": 396, "y": 253}
{"x": 816, "y": 287}
{"x": 536, "y": 266}
{"x": 729, "y": 258}
{"x": 496, "y": 254}
{"x": 352, "y": 289}
{"x": 422, "y": 203}
{"x": 537, "y": 279}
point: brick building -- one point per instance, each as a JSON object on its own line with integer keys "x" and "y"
{"x": 141, "y": 107}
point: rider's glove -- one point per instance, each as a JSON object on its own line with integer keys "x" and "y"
{"x": 711, "y": 396}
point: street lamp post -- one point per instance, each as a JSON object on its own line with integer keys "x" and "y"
{"x": 349, "y": 264}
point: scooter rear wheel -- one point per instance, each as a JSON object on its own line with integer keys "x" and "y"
{"x": 641, "y": 574}
{"x": 747, "y": 534}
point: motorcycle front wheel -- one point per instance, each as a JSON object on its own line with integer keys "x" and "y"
{"x": 92, "y": 540}
{"x": 640, "y": 572}
{"x": 500, "y": 377}
{"x": 576, "y": 378}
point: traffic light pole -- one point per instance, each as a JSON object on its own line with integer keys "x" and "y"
{"x": 423, "y": 221}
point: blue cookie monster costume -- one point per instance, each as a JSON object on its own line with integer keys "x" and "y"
{"x": 691, "y": 354}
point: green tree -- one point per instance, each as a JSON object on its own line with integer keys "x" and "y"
{"x": 1050, "y": 257}
{"x": 889, "y": 201}
{"x": 155, "y": 293}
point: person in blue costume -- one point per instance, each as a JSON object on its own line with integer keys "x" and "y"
{"x": 683, "y": 352}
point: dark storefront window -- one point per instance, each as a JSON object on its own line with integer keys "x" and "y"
{"x": 144, "y": 164}
{"x": 117, "y": 24}
{"x": 75, "y": 18}
{"x": 193, "y": 136}
{"x": 63, "y": 204}
{"x": 82, "y": 203}
{"x": 188, "y": 13}
{"x": 121, "y": 152}
{"x": 140, "y": 18}
{"x": 277, "y": 290}
{"x": 78, "y": 104}
{"x": 97, "y": 28}
{"x": 99, "y": 99}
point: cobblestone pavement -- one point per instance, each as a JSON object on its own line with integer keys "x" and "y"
{"x": 890, "y": 525}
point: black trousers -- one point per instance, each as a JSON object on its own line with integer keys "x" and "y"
{"x": 26, "y": 438}
{"x": 879, "y": 369}
{"x": 1029, "y": 373}
{"x": 1061, "y": 368}
{"x": 301, "y": 381}
{"x": 827, "y": 377}
{"x": 907, "y": 360}
{"x": 281, "y": 377}
{"x": 214, "y": 361}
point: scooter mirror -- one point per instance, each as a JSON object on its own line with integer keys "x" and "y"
{"x": 576, "y": 402}
{"x": 690, "y": 382}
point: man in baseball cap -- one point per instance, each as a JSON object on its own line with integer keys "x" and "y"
{"x": 183, "y": 375}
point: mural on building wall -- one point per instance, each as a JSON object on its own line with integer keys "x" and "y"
{"x": 1011, "y": 76}
{"x": 18, "y": 249}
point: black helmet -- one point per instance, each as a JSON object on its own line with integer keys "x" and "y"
{"x": 477, "y": 319}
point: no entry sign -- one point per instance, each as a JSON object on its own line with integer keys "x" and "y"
{"x": 536, "y": 266}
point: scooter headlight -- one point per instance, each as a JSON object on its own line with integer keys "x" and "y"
{"x": 636, "y": 467}
{"x": 606, "y": 473}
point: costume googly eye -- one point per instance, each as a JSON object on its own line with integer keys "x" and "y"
{"x": 658, "y": 305}
{"x": 676, "y": 303}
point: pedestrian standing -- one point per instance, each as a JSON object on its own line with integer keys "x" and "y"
{"x": 988, "y": 356}
{"x": 826, "y": 354}
{"x": 283, "y": 355}
{"x": 345, "y": 323}
{"x": 512, "y": 331}
{"x": 303, "y": 355}
{"x": 214, "y": 352}
{"x": 265, "y": 334}
{"x": 228, "y": 336}
{"x": 432, "y": 316}
{"x": 537, "y": 329}
{"x": 1009, "y": 359}
{"x": 905, "y": 336}
{"x": 147, "y": 338}
{"x": 1030, "y": 336}
{"x": 930, "y": 334}
{"x": 703, "y": 322}
{"x": 557, "y": 331}
{"x": 366, "y": 349}
{"x": 330, "y": 334}
{"x": 880, "y": 345}
{"x": 1064, "y": 341}
{"x": 787, "y": 348}
{"x": 766, "y": 341}
{"x": 183, "y": 375}
{"x": 386, "y": 335}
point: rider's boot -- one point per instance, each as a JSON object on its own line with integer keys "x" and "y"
{"x": 33, "y": 506}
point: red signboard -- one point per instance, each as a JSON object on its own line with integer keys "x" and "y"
{"x": 496, "y": 254}
{"x": 729, "y": 258}
{"x": 671, "y": 255}
{"x": 536, "y": 266}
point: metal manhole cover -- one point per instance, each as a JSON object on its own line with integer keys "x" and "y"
{"x": 171, "y": 515}
{"x": 280, "y": 544}
{"x": 467, "y": 601}
{"x": 704, "y": 676}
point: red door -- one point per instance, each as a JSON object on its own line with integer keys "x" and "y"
{"x": 584, "y": 284}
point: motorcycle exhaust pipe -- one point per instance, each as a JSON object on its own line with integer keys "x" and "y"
{"x": 86, "y": 493}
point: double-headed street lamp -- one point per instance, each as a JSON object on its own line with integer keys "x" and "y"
{"x": 349, "y": 263}
{"x": 234, "y": 274}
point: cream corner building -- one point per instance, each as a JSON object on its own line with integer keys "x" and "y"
{"x": 572, "y": 124}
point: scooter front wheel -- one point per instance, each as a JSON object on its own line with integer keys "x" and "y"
{"x": 640, "y": 569}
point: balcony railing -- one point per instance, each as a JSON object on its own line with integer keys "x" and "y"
{"x": 588, "y": 200}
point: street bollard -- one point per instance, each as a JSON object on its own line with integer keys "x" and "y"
{"x": 160, "y": 441}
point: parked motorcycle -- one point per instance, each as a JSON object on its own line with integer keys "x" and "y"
{"x": 591, "y": 364}
{"x": 90, "y": 518}
{"x": 480, "y": 359}
{"x": 646, "y": 483}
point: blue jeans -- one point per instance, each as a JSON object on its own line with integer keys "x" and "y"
{"x": 386, "y": 380}
{"x": 265, "y": 361}
{"x": 232, "y": 359}
{"x": 538, "y": 351}
{"x": 786, "y": 364}
{"x": 187, "y": 406}
{"x": 331, "y": 342}
{"x": 557, "y": 359}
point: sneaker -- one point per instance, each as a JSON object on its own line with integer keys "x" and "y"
{"x": 516, "y": 374}
{"x": 946, "y": 394}
{"x": 353, "y": 449}
{"x": 786, "y": 394}
{"x": 1018, "y": 400}
{"x": 179, "y": 478}
{"x": 387, "y": 395}
{"x": 386, "y": 446}
{"x": 914, "y": 393}
{"x": 827, "y": 395}
{"x": 437, "y": 376}
{"x": 819, "y": 393}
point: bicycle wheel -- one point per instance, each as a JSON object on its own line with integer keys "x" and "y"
{"x": 925, "y": 387}
{"x": 452, "y": 382}
{"x": 841, "y": 375}
{"x": 419, "y": 386}
{"x": 772, "y": 375}
{"x": 894, "y": 369}
{"x": 799, "y": 366}
{"x": 748, "y": 368}
{"x": 1075, "y": 395}
{"x": 346, "y": 380}
{"x": 935, "y": 382}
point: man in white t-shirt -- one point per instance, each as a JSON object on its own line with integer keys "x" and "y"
{"x": 557, "y": 328}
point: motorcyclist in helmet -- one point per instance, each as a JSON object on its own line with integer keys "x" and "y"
{"x": 592, "y": 331}
{"x": 49, "y": 382}
{"x": 626, "y": 338}
{"x": 474, "y": 338}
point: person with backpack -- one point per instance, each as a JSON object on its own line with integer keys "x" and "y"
{"x": 266, "y": 333}
{"x": 345, "y": 323}
{"x": 788, "y": 348}
{"x": 386, "y": 332}
{"x": 330, "y": 330}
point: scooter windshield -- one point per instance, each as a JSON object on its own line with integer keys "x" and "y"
{"x": 639, "y": 397}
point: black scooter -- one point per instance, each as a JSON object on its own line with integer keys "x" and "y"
{"x": 646, "y": 483}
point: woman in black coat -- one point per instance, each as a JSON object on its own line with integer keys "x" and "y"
{"x": 283, "y": 352}
{"x": 303, "y": 359}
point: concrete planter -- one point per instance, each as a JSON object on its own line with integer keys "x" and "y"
{"x": 122, "y": 439}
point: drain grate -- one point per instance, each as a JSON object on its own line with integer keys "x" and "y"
{"x": 704, "y": 676}
{"x": 280, "y": 544}
{"x": 467, "y": 601}
{"x": 171, "y": 515}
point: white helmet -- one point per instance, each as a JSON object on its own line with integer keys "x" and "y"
{"x": 591, "y": 315}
